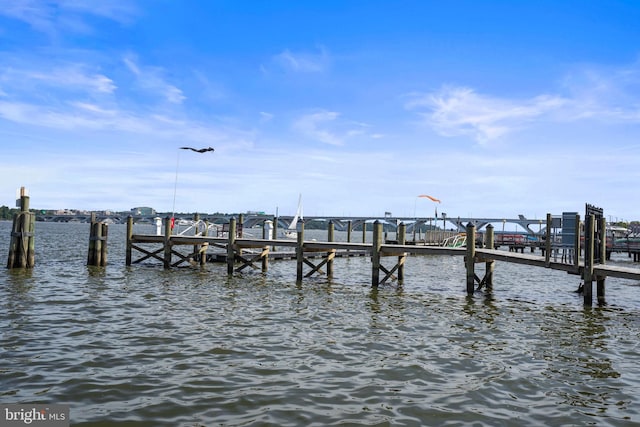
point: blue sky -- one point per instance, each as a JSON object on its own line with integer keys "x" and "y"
{"x": 497, "y": 108}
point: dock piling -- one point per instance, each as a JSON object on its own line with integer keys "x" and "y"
{"x": 231, "y": 246}
{"x": 300, "y": 252}
{"x": 167, "y": 242}
{"x": 600, "y": 280}
{"x": 331, "y": 254}
{"x": 97, "y": 254}
{"x": 129, "y": 249}
{"x": 402, "y": 239}
{"x": 22, "y": 245}
{"x": 589, "y": 237}
{"x": 489, "y": 265}
{"x": 470, "y": 257}
{"x": 375, "y": 252}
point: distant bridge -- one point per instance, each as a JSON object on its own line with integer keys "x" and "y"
{"x": 341, "y": 223}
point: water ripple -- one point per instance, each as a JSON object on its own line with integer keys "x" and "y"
{"x": 142, "y": 346}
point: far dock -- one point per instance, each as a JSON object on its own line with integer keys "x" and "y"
{"x": 240, "y": 253}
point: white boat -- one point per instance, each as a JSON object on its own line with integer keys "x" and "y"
{"x": 292, "y": 231}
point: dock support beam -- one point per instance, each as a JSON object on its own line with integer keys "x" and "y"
{"x": 167, "y": 242}
{"x": 22, "y": 247}
{"x": 589, "y": 247}
{"x": 129, "y": 249}
{"x": 267, "y": 226}
{"x": 489, "y": 265}
{"x": 231, "y": 242}
{"x": 600, "y": 281}
{"x": 375, "y": 252}
{"x": 547, "y": 242}
{"x": 97, "y": 255}
{"x": 332, "y": 253}
{"x": 402, "y": 239}
{"x": 470, "y": 258}
{"x": 300, "y": 252}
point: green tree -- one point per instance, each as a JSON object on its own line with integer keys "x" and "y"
{"x": 5, "y": 212}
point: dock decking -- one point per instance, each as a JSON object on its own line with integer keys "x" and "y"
{"x": 240, "y": 253}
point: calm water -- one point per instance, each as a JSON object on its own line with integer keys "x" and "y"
{"x": 141, "y": 346}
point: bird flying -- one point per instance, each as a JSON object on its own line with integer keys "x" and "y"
{"x": 198, "y": 150}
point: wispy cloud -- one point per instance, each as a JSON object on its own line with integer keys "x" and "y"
{"x": 303, "y": 62}
{"x": 152, "y": 81}
{"x": 265, "y": 117}
{"x": 55, "y": 16}
{"x": 609, "y": 95}
{"x": 455, "y": 111}
{"x": 82, "y": 117}
{"x": 330, "y": 128}
{"x": 71, "y": 77}
{"x": 315, "y": 127}
{"x": 604, "y": 93}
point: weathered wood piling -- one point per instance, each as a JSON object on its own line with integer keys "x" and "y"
{"x": 22, "y": 246}
{"x": 98, "y": 232}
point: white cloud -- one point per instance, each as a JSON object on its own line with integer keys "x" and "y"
{"x": 152, "y": 81}
{"x": 457, "y": 111}
{"x": 303, "y": 62}
{"x": 83, "y": 116}
{"x": 53, "y": 17}
{"x": 265, "y": 117}
{"x": 604, "y": 93}
{"x": 71, "y": 77}
{"x": 330, "y": 128}
{"x": 608, "y": 95}
{"x": 314, "y": 126}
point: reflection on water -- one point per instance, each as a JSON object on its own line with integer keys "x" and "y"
{"x": 193, "y": 347}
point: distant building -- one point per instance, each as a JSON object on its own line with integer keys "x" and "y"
{"x": 142, "y": 211}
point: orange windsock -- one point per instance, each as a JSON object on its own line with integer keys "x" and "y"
{"x": 430, "y": 198}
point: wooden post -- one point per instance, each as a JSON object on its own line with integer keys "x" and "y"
{"x": 589, "y": 234}
{"x": 300, "y": 252}
{"x": 97, "y": 255}
{"x": 364, "y": 231}
{"x": 91, "y": 254}
{"x": 31, "y": 252}
{"x": 196, "y": 218}
{"x": 104, "y": 248}
{"x": 470, "y": 257}
{"x": 547, "y": 243}
{"x": 231, "y": 258}
{"x": 349, "y": 231}
{"x": 331, "y": 254}
{"x": 576, "y": 244}
{"x": 600, "y": 281}
{"x": 375, "y": 253}
{"x": 204, "y": 246}
{"x": 22, "y": 246}
{"x": 167, "y": 242}
{"x": 402, "y": 238}
{"x": 129, "y": 240}
{"x": 13, "y": 245}
{"x": 274, "y": 235}
{"x": 98, "y": 246}
{"x": 22, "y": 260}
{"x": 489, "y": 265}
{"x": 265, "y": 236}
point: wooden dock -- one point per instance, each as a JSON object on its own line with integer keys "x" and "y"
{"x": 240, "y": 253}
